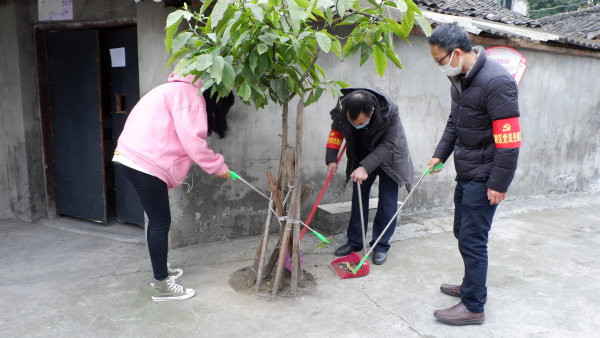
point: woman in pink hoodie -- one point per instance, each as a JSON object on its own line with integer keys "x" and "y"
{"x": 164, "y": 135}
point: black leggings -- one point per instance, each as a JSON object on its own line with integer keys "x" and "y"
{"x": 155, "y": 200}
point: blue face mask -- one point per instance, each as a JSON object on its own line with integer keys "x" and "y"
{"x": 362, "y": 125}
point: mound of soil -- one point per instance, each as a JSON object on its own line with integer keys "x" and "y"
{"x": 242, "y": 281}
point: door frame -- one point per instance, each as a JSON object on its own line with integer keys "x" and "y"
{"x": 39, "y": 31}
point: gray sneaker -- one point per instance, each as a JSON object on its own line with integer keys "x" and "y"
{"x": 168, "y": 289}
{"x": 173, "y": 273}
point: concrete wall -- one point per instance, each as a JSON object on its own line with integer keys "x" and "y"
{"x": 560, "y": 106}
{"x": 560, "y": 117}
{"x": 21, "y": 172}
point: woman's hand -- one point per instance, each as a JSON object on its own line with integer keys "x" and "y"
{"x": 224, "y": 174}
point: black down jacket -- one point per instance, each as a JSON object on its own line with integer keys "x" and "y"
{"x": 488, "y": 93}
{"x": 388, "y": 148}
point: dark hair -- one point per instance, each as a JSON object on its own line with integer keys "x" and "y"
{"x": 216, "y": 112}
{"x": 359, "y": 101}
{"x": 450, "y": 36}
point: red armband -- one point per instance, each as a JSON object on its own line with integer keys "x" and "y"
{"x": 335, "y": 139}
{"x": 507, "y": 133}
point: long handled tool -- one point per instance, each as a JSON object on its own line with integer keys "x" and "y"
{"x": 235, "y": 177}
{"x": 425, "y": 173}
{"x": 313, "y": 211}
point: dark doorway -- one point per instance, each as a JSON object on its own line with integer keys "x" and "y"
{"x": 86, "y": 94}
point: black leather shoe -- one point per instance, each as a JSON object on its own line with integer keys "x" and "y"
{"x": 379, "y": 258}
{"x": 345, "y": 250}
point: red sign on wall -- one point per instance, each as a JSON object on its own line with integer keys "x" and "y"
{"x": 513, "y": 61}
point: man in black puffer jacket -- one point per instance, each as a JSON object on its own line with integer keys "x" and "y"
{"x": 369, "y": 121}
{"x": 483, "y": 132}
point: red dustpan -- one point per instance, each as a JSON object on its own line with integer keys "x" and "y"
{"x": 345, "y": 266}
{"x": 345, "y": 270}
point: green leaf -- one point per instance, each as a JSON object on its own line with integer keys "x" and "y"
{"x": 324, "y": 41}
{"x": 216, "y": 69}
{"x": 413, "y": 7}
{"x": 350, "y": 47}
{"x": 169, "y": 33}
{"x": 279, "y": 86}
{"x": 245, "y": 91}
{"x": 174, "y": 18}
{"x": 268, "y": 38}
{"x": 391, "y": 54}
{"x": 217, "y": 13}
{"x": 424, "y": 24}
{"x": 261, "y": 48}
{"x": 343, "y": 5}
{"x": 388, "y": 38}
{"x": 380, "y": 60}
{"x": 256, "y": 10}
{"x": 253, "y": 60}
{"x": 314, "y": 96}
{"x": 180, "y": 41}
{"x": 303, "y": 3}
{"x": 241, "y": 39}
{"x": 395, "y": 27}
{"x": 342, "y": 84}
{"x": 207, "y": 84}
{"x": 336, "y": 47}
{"x": 228, "y": 77}
{"x": 263, "y": 63}
{"x": 365, "y": 52}
{"x": 329, "y": 15}
{"x": 176, "y": 56}
{"x": 407, "y": 23}
{"x": 297, "y": 14}
{"x": 401, "y": 5}
{"x": 182, "y": 64}
{"x": 205, "y": 5}
{"x": 203, "y": 62}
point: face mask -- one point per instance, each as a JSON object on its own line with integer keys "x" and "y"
{"x": 449, "y": 70}
{"x": 362, "y": 126}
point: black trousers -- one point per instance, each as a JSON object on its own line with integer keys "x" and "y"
{"x": 155, "y": 200}
{"x": 473, "y": 216}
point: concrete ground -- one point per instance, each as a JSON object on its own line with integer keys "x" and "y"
{"x": 65, "y": 278}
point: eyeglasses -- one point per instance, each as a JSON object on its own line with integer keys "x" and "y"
{"x": 440, "y": 60}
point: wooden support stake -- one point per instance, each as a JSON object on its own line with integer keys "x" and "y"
{"x": 280, "y": 211}
{"x": 277, "y": 283}
{"x": 295, "y": 248}
{"x": 261, "y": 251}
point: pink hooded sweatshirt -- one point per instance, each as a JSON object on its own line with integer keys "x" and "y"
{"x": 166, "y": 132}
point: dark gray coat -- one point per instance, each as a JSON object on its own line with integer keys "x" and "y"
{"x": 388, "y": 148}
{"x": 488, "y": 93}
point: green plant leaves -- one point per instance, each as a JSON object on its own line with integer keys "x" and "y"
{"x": 263, "y": 49}
{"x": 424, "y": 24}
{"x": 380, "y": 60}
{"x": 218, "y": 11}
{"x": 324, "y": 41}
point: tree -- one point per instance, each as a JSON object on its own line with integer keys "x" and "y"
{"x": 268, "y": 51}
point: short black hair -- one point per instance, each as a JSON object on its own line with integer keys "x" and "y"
{"x": 450, "y": 36}
{"x": 359, "y": 101}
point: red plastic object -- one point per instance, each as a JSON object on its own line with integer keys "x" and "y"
{"x": 313, "y": 211}
{"x": 351, "y": 258}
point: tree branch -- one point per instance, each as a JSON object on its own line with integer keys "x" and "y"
{"x": 306, "y": 72}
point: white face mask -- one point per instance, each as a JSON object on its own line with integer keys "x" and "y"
{"x": 450, "y": 71}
